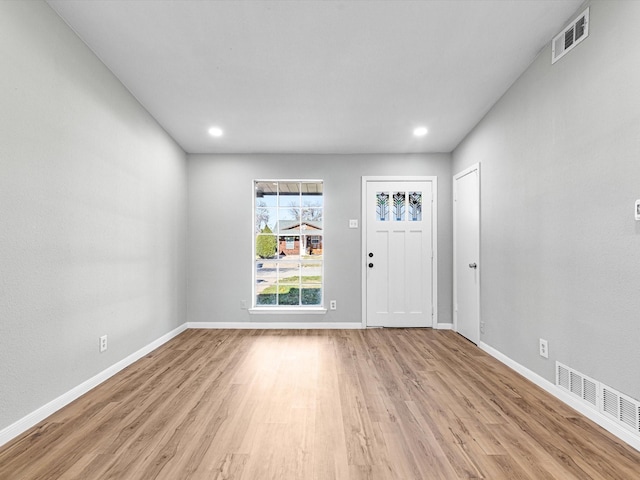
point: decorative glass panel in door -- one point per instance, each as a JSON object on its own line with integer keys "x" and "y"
{"x": 382, "y": 206}
{"x": 415, "y": 206}
{"x": 398, "y": 206}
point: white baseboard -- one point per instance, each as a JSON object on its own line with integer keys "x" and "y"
{"x": 35, "y": 417}
{"x": 443, "y": 326}
{"x": 25, "y": 423}
{"x": 560, "y": 394}
{"x": 277, "y": 325}
{"x": 17, "y": 428}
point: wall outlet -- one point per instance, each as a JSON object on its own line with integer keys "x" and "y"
{"x": 243, "y": 304}
{"x": 103, "y": 343}
{"x": 353, "y": 223}
{"x": 544, "y": 348}
{"x": 333, "y": 305}
{"x": 481, "y": 327}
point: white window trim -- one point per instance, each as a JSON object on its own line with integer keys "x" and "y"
{"x": 282, "y": 309}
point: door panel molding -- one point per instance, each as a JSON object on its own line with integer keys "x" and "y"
{"x": 434, "y": 236}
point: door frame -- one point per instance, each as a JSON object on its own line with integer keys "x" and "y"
{"x": 466, "y": 171}
{"x": 434, "y": 238}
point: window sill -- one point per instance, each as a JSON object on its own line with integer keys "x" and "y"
{"x": 288, "y": 311}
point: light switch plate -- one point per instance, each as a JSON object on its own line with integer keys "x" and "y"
{"x": 637, "y": 210}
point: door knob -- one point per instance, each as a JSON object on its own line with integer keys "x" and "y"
{"x": 473, "y": 265}
{"x": 371, "y": 265}
{"x": 370, "y": 254}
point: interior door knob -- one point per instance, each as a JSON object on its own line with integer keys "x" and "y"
{"x": 371, "y": 265}
{"x": 473, "y": 265}
{"x": 370, "y": 254}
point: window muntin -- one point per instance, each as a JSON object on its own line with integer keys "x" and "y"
{"x": 288, "y": 244}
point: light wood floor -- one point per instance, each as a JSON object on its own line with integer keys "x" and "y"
{"x": 375, "y": 404}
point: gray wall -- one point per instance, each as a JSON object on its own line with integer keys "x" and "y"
{"x": 92, "y": 207}
{"x": 560, "y": 250}
{"x": 221, "y": 231}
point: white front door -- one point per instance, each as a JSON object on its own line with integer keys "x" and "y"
{"x": 399, "y": 246}
{"x": 466, "y": 253}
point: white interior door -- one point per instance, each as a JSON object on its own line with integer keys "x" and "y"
{"x": 399, "y": 250}
{"x": 466, "y": 253}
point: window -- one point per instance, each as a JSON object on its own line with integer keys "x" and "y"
{"x": 288, "y": 247}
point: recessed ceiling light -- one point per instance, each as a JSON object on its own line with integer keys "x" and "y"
{"x": 215, "y": 132}
{"x": 420, "y": 131}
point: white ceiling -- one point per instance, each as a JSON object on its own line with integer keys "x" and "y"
{"x": 330, "y": 76}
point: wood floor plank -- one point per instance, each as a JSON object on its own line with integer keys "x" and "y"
{"x": 330, "y": 460}
{"x": 317, "y": 404}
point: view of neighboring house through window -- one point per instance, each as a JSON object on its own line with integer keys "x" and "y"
{"x": 288, "y": 246}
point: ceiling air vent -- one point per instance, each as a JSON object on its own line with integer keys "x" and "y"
{"x": 571, "y": 36}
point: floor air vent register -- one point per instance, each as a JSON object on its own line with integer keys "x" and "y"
{"x": 617, "y": 406}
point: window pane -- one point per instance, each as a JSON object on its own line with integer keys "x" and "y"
{"x": 289, "y": 296}
{"x": 288, "y": 189}
{"x": 266, "y": 245}
{"x": 289, "y": 245}
{"x": 289, "y": 221}
{"x": 311, "y": 283}
{"x": 289, "y": 284}
{"x": 266, "y": 280}
{"x": 312, "y": 295}
{"x": 266, "y": 190}
{"x": 313, "y": 247}
{"x": 312, "y": 202}
{"x": 313, "y": 216}
{"x": 312, "y": 189}
{"x": 382, "y": 206}
{"x": 311, "y": 273}
{"x": 266, "y": 298}
{"x": 415, "y": 206}
{"x": 268, "y": 200}
{"x": 266, "y": 219}
{"x": 289, "y": 212}
{"x": 287, "y": 270}
{"x": 398, "y": 206}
